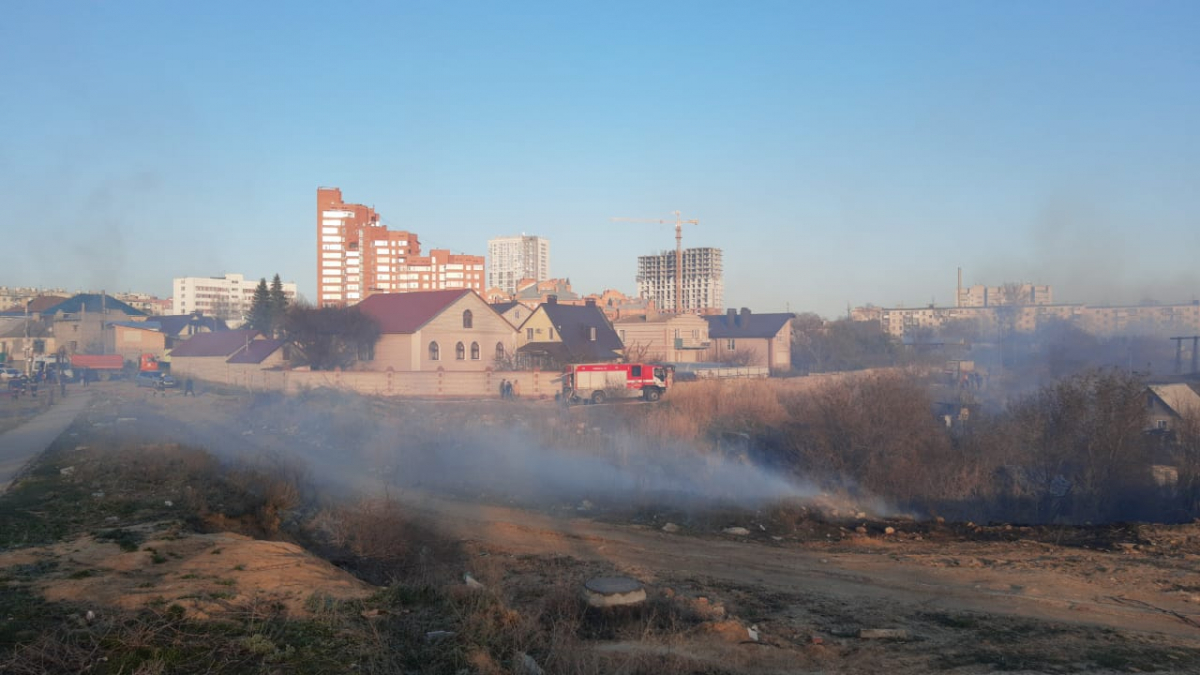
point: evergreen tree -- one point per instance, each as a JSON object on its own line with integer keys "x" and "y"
{"x": 278, "y": 305}
{"x": 261, "y": 309}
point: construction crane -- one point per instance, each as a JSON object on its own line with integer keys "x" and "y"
{"x": 679, "y": 222}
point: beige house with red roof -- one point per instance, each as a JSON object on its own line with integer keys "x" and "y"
{"x": 453, "y": 330}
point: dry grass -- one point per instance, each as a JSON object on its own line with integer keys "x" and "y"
{"x": 695, "y": 410}
{"x": 15, "y": 413}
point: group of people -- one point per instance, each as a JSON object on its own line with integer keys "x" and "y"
{"x": 18, "y": 386}
{"x": 509, "y": 390}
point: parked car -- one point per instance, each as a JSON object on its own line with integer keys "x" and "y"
{"x": 152, "y": 378}
{"x": 8, "y": 373}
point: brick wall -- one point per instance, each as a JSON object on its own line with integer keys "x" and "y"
{"x": 443, "y": 384}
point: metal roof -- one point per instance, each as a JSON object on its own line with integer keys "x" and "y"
{"x": 408, "y": 312}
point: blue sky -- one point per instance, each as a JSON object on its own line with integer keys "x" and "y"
{"x": 839, "y": 153}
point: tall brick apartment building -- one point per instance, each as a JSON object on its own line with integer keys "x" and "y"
{"x": 358, "y": 256}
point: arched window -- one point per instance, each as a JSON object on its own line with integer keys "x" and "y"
{"x": 474, "y": 351}
{"x": 460, "y": 352}
{"x": 467, "y": 318}
{"x": 434, "y": 353}
{"x": 499, "y": 351}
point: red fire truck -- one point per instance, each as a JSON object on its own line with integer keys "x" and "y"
{"x": 148, "y": 363}
{"x": 596, "y": 382}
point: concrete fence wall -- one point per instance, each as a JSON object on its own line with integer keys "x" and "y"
{"x": 529, "y": 384}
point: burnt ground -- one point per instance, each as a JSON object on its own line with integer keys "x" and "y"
{"x": 970, "y": 598}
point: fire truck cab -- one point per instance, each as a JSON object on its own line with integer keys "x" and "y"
{"x": 597, "y": 382}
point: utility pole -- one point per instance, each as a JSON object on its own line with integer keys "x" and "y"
{"x": 1179, "y": 353}
{"x": 25, "y": 342}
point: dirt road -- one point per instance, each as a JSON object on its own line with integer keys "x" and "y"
{"x": 1029, "y": 580}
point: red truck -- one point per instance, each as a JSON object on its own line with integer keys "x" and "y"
{"x": 596, "y": 382}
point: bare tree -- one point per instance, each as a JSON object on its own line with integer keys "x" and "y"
{"x": 637, "y": 352}
{"x": 1086, "y": 432}
{"x": 819, "y": 346}
{"x": 1184, "y": 447}
{"x": 742, "y": 357}
{"x": 331, "y": 337}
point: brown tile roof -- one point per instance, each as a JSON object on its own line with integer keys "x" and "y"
{"x": 256, "y": 352}
{"x": 222, "y": 343}
{"x": 407, "y": 312}
{"x": 36, "y": 305}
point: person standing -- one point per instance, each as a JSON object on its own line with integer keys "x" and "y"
{"x": 189, "y": 388}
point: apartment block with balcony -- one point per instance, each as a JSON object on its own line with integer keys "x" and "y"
{"x": 702, "y": 280}
{"x": 1008, "y": 294}
{"x": 358, "y": 256}
{"x": 227, "y": 297}
{"x": 514, "y": 259}
{"x": 439, "y": 271}
{"x": 904, "y": 322}
{"x": 356, "y": 253}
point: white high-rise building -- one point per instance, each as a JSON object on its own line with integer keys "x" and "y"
{"x": 228, "y": 297}
{"x": 702, "y": 278}
{"x": 511, "y": 259}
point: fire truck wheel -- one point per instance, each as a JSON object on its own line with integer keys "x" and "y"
{"x": 651, "y": 394}
{"x": 597, "y": 397}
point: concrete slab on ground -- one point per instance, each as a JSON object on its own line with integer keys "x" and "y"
{"x": 18, "y": 446}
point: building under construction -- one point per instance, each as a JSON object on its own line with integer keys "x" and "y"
{"x": 702, "y": 280}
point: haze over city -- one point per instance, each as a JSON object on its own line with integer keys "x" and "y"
{"x": 650, "y": 338}
{"x": 837, "y": 155}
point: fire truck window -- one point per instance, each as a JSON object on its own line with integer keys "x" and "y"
{"x": 636, "y": 371}
{"x": 660, "y": 373}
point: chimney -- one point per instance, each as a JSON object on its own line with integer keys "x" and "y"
{"x": 744, "y": 319}
{"x": 551, "y": 299}
{"x": 731, "y": 317}
{"x": 590, "y": 302}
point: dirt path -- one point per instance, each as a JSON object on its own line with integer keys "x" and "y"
{"x": 1026, "y": 580}
{"x": 19, "y": 445}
